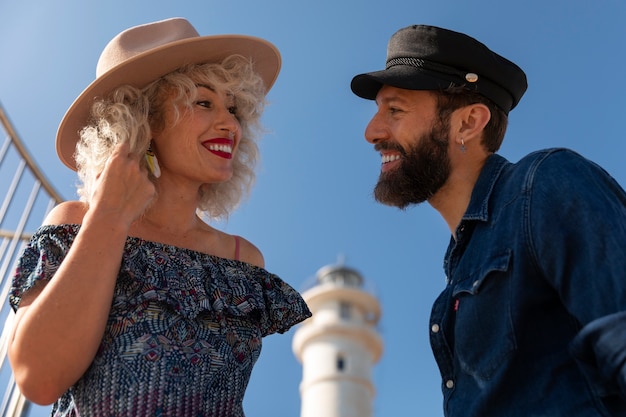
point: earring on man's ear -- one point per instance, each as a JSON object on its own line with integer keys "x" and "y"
{"x": 153, "y": 164}
{"x": 463, "y": 145}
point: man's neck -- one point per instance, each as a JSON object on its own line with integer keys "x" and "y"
{"x": 452, "y": 200}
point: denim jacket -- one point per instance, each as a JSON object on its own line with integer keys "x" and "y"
{"x": 532, "y": 321}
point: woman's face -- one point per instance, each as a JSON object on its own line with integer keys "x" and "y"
{"x": 199, "y": 146}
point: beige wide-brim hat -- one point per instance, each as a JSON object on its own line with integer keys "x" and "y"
{"x": 142, "y": 54}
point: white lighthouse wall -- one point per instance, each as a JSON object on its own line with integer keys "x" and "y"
{"x": 336, "y": 378}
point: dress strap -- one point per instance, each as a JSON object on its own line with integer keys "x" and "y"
{"x": 236, "y": 247}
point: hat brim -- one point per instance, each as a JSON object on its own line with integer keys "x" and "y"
{"x": 401, "y": 76}
{"x": 146, "y": 67}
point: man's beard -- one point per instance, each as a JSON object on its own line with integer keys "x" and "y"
{"x": 423, "y": 170}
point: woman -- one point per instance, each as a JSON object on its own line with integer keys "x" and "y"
{"x": 127, "y": 302}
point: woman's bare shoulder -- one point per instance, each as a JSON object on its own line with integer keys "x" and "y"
{"x": 249, "y": 253}
{"x": 68, "y": 212}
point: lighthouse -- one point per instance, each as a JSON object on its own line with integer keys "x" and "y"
{"x": 338, "y": 346}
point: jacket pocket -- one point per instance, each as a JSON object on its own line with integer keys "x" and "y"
{"x": 483, "y": 333}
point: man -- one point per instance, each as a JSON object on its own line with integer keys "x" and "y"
{"x": 532, "y": 320}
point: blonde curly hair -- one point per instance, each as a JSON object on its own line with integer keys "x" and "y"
{"x": 131, "y": 114}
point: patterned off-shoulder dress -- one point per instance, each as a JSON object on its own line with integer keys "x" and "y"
{"x": 183, "y": 334}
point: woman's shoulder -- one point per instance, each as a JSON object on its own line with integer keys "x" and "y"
{"x": 68, "y": 212}
{"x": 249, "y": 253}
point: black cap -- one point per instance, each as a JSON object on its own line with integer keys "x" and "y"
{"x": 421, "y": 57}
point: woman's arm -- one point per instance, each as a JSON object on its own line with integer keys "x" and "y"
{"x": 59, "y": 326}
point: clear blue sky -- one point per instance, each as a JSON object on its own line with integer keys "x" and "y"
{"x": 312, "y": 203}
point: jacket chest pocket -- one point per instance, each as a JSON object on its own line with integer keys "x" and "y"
{"x": 483, "y": 332}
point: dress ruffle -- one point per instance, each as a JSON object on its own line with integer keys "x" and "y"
{"x": 190, "y": 282}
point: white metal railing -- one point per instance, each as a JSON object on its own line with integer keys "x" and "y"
{"x": 27, "y": 196}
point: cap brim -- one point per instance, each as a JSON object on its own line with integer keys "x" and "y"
{"x": 144, "y": 68}
{"x": 401, "y": 76}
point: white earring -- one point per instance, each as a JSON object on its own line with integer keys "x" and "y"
{"x": 153, "y": 164}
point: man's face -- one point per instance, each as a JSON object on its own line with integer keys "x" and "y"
{"x": 413, "y": 144}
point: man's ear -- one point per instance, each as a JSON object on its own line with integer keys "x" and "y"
{"x": 471, "y": 121}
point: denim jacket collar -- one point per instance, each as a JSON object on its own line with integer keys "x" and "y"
{"x": 478, "y": 208}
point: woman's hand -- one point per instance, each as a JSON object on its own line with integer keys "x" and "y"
{"x": 123, "y": 189}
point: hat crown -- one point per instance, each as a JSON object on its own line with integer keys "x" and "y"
{"x": 143, "y": 38}
{"x": 444, "y": 46}
{"x": 413, "y": 41}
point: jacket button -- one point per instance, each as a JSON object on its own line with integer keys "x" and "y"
{"x": 434, "y": 328}
{"x": 450, "y": 383}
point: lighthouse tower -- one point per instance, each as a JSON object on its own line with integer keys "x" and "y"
{"x": 338, "y": 346}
